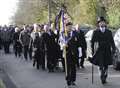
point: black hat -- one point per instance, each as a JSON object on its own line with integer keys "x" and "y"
{"x": 101, "y": 19}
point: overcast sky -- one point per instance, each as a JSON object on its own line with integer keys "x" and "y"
{"x": 7, "y": 9}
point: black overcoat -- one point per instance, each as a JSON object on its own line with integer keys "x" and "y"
{"x": 102, "y": 56}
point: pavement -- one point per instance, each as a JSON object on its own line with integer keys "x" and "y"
{"x": 22, "y": 74}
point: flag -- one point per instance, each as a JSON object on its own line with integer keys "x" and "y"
{"x": 62, "y": 25}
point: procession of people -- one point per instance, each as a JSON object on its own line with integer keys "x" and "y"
{"x": 46, "y": 47}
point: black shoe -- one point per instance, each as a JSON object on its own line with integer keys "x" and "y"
{"x": 37, "y": 66}
{"x": 103, "y": 79}
{"x": 78, "y": 66}
{"x": 50, "y": 71}
{"x": 19, "y": 56}
{"x": 33, "y": 64}
{"x": 68, "y": 83}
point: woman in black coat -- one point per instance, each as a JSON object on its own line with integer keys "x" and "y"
{"x": 103, "y": 48}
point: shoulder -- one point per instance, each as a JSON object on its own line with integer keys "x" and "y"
{"x": 108, "y": 31}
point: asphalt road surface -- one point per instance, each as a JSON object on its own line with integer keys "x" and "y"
{"x": 21, "y": 74}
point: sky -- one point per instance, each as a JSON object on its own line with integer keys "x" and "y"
{"x": 7, "y": 10}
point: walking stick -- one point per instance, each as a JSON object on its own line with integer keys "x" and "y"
{"x": 95, "y": 49}
{"x": 92, "y": 74}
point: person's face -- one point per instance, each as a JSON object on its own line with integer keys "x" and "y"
{"x": 102, "y": 24}
{"x": 46, "y": 28}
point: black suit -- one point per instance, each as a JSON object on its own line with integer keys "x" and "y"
{"x": 71, "y": 57}
{"x": 39, "y": 56}
{"x": 17, "y": 44}
{"x": 50, "y": 46}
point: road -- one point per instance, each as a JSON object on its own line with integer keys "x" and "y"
{"x": 24, "y": 75}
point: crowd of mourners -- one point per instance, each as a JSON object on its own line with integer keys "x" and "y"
{"x": 39, "y": 43}
{"x": 43, "y": 44}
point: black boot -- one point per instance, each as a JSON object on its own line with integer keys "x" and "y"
{"x": 34, "y": 63}
{"x": 82, "y": 66}
{"x": 37, "y": 66}
{"x": 103, "y": 77}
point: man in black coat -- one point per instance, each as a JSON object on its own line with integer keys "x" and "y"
{"x": 71, "y": 44}
{"x": 6, "y": 37}
{"x": 49, "y": 42}
{"x": 102, "y": 48}
{"x": 16, "y": 43}
{"x": 39, "y": 52}
{"x": 25, "y": 40}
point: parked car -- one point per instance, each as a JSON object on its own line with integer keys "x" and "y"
{"x": 88, "y": 37}
{"x": 116, "y": 58}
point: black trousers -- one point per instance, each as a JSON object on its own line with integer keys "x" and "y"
{"x": 71, "y": 73}
{"x": 42, "y": 56}
{"x": 39, "y": 59}
{"x": 82, "y": 61}
{"x": 27, "y": 52}
{"x": 50, "y": 61}
{"x": 17, "y": 50}
{"x": 0, "y": 43}
{"x": 104, "y": 72}
{"x": 83, "y": 57}
{"x": 71, "y": 69}
{"x": 6, "y": 45}
{"x": 30, "y": 53}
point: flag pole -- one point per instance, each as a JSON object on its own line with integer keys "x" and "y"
{"x": 65, "y": 57}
